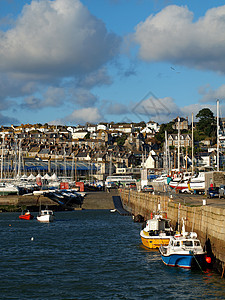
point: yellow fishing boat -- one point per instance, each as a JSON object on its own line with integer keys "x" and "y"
{"x": 157, "y": 232}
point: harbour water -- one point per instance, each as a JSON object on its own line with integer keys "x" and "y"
{"x": 91, "y": 254}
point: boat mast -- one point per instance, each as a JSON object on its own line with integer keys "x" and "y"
{"x": 72, "y": 169}
{"x": 19, "y": 162}
{"x": 192, "y": 145}
{"x": 2, "y": 162}
{"x": 218, "y": 154}
{"x": 178, "y": 161}
{"x": 166, "y": 152}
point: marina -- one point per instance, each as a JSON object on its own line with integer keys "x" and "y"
{"x": 83, "y": 264}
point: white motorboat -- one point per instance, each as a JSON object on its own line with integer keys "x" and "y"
{"x": 184, "y": 250}
{"x": 161, "y": 179}
{"x": 8, "y": 189}
{"x": 45, "y": 216}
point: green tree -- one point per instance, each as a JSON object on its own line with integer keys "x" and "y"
{"x": 120, "y": 140}
{"x": 207, "y": 122}
{"x": 160, "y": 136}
{"x": 87, "y": 136}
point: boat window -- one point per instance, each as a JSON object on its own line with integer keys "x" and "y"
{"x": 187, "y": 243}
{"x": 167, "y": 225}
{"x": 197, "y": 243}
{"x": 177, "y": 244}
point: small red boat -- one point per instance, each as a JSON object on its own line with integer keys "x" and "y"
{"x": 26, "y": 216}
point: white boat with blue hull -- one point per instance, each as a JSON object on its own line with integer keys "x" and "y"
{"x": 184, "y": 251}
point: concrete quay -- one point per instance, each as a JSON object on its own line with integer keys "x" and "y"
{"x": 92, "y": 200}
{"x": 208, "y": 221}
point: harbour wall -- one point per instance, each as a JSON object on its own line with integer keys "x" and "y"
{"x": 92, "y": 200}
{"x": 207, "y": 221}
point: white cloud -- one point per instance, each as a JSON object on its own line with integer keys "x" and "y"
{"x": 172, "y": 35}
{"x": 84, "y": 115}
{"x": 96, "y": 78}
{"x": 186, "y": 111}
{"x": 83, "y": 97}
{"x": 116, "y": 108}
{"x": 52, "y": 97}
{"x": 8, "y": 120}
{"x": 210, "y": 95}
{"x": 55, "y": 38}
{"x": 160, "y": 109}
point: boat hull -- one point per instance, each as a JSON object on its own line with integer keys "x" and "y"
{"x": 45, "y": 219}
{"x": 26, "y": 217}
{"x": 154, "y": 242}
{"x": 187, "y": 261}
{"x": 46, "y": 216}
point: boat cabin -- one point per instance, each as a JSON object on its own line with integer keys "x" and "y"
{"x": 187, "y": 243}
{"x": 46, "y": 212}
{"x": 158, "y": 225}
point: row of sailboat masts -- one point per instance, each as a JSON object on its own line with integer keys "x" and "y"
{"x": 16, "y": 165}
{"x": 17, "y": 159}
{"x": 167, "y": 154}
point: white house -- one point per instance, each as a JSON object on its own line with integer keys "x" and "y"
{"x": 102, "y": 126}
{"x": 79, "y": 134}
{"x": 153, "y": 125}
{"x": 150, "y": 161}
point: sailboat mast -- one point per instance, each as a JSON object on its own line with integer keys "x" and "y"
{"x": 19, "y": 163}
{"x": 2, "y": 162}
{"x": 218, "y": 154}
{"x": 178, "y": 162}
{"x": 192, "y": 144}
{"x": 167, "y": 168}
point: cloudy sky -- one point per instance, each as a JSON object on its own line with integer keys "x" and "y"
{"x": 76, "y": 61}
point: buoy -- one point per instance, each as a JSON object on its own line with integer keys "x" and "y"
{"x": 32, "y": 239}
{"x": 9, "y": 224}
{"x": 208, "y": 259}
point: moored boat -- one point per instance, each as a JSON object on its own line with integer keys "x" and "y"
{"x": 8, "y": 189}
{"x": 45, "y": 216}
{"x": 184, "y": 250}
{"x": 26, "y": 216}
{"x": 157, "y": 232}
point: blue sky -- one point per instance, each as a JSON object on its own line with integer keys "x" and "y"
{"x": 71, "y": 62}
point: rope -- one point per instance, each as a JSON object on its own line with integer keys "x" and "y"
{"x": 197, "y": 261}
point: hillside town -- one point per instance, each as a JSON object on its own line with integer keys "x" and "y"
{"x": 104, "y": 149}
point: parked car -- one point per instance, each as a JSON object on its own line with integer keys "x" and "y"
{"x": 148, "y": 188}
{"x": 222, "y": 191}
{"x": 132, "y": 186}
{"x": 213, "y": 192}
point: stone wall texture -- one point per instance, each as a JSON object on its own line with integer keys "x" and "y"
{"x": 207, "y": 221}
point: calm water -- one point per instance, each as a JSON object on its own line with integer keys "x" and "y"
{"x": 91, "y": 255}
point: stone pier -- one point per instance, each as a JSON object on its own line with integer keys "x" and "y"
{"x": 208, "y": 221}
